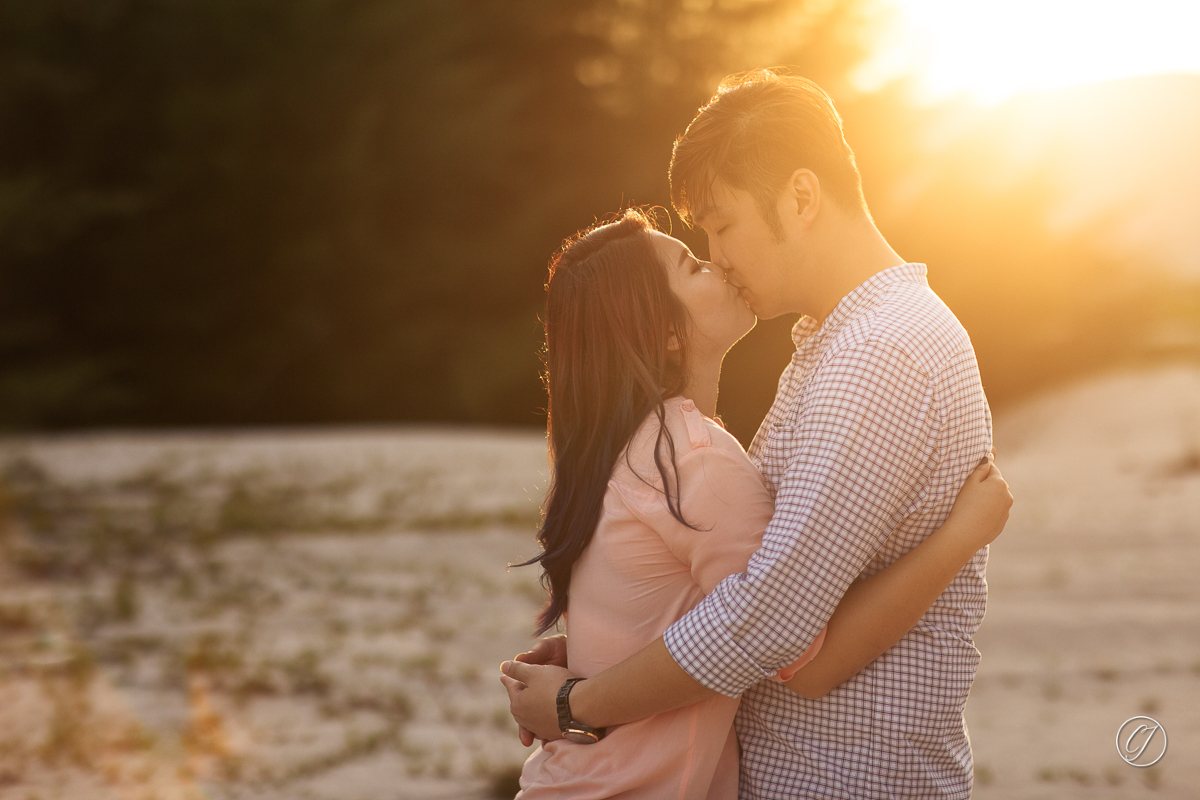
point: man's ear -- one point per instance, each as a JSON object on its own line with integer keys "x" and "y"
{"x": 801, "y": 199}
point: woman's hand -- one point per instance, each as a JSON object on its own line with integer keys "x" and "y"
{"x": 549, "y": 650}
{"x": 552, "y": 651}
{"x": 981, "y": 510}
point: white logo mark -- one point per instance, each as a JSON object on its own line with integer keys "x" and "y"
{"x": 1139, "y": 741}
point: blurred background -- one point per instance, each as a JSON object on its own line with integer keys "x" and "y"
{"x": 270, "y": 280}
{"x": 226, "y": 213}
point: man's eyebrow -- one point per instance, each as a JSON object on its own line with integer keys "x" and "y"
{"x": 683, "y": 256}
{"x": 704, "y": 213}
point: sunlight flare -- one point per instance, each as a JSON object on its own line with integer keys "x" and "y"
{"x": 991, "y": 51}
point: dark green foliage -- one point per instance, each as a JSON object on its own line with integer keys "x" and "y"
{"x": 259, "y": 211}
{"x": 241, "y": 211}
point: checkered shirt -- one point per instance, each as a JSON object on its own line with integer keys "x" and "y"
{"x": 878, "y": 421}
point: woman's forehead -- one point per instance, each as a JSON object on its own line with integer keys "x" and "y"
{"x": 668, "y": 246}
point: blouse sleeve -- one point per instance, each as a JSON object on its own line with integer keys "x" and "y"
{"x": 725, "y": 505}
{"x": 723, "y": 497}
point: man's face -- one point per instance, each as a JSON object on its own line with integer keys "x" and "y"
{"x": 743, "y": 244}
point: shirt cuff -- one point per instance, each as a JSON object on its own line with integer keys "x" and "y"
{"x": 789, "y": 672}
{"x": 711, "y": 657}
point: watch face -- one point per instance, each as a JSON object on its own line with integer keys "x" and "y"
{"x": 579, "y": 736}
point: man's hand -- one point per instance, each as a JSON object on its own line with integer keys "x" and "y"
{"x": 532, "y": 690}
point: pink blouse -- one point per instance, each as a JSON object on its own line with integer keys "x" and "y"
{"x": 642, "y": 571}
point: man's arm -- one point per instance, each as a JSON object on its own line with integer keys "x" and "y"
{"x": 647, "y": 683}
{"x": 863, "y": 448}
{"x": 873, "y": 615}
{"x": 857, "y": 460}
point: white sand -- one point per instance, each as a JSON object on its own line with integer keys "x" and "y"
{"x": 352, "y": 652}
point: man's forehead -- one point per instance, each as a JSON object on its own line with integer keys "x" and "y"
{"x": 711, "y": 210}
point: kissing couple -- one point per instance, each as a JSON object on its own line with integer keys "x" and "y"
{"x": 795, "y": 622}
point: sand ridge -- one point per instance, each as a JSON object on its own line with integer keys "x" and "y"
{"x": 321, "y": 613}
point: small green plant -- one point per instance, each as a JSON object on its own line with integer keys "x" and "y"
{"x": 505, "y": 783}
{"x": 209, "y": 653}
{"x": 1080, "y": 776}
{"x": 424, "y": 666}
{"x": 125, "y": 599}
{"x": 304, "y": 674}
{"x": 16, "y": 618}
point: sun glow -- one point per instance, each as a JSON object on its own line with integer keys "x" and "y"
{"x": 993, "y": 50}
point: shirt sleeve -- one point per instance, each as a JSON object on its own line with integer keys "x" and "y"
{"x": 863, "y": 445}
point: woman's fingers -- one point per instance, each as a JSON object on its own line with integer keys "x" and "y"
{"x": 550, "y": 650}
{"x": 982, "y": 471}
{"x": 526, "y": 736}
{"x": 512, "y": 686}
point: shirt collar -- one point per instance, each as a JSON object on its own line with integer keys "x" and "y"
{"x": 905, "y": 273}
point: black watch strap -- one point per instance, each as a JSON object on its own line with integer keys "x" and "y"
{"x": 570, "y": 729}
{"x": 563, "y": 703}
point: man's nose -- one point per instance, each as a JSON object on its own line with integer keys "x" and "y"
{"x": 714, "y": 253}
{"x": 717, "y": 259}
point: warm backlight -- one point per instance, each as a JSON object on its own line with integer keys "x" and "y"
{"x": 993, "y": 50}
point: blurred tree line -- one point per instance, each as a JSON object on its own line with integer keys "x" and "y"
{"x": 259, "y": 211}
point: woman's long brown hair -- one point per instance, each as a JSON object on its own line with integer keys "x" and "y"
{"x": 610, "y": 315}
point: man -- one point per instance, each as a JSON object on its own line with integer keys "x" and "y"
{"x": 878, "y": 420}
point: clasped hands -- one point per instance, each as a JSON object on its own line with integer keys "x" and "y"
{"x": 532, "y": 681}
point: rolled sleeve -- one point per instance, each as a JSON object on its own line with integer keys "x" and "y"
{"x": 857, "y": 456}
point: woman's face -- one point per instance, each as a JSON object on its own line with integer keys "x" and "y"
{"x": 718, "y": 315}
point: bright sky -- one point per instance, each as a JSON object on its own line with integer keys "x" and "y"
{"x": 993, "y": 50}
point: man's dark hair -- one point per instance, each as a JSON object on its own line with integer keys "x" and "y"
{"x": 758, "y": 129}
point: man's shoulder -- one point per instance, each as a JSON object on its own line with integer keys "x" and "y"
{"x": 910, "y": 319}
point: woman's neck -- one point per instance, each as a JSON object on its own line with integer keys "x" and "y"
{"x": 704, "y": 383}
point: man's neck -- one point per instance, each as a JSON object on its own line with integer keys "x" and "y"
{"x": 850, "y": 254}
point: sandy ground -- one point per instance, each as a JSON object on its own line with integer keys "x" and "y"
{"x": 320, "y": 614}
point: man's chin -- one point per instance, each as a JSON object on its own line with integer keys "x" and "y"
{"x": 764, "y": 313}
{"x": 755, "y": 308}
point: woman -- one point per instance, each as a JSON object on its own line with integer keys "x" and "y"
{"x": 653, "y": 503}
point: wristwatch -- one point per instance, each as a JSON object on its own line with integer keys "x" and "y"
{"x": 574, "y": 731}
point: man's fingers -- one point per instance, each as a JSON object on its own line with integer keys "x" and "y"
{"x": 526, "y": 736}
{"x": 512, "y": 686}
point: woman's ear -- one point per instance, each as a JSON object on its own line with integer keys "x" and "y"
{"x": 673, "y": 343}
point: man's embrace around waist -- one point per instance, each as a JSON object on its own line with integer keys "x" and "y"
{"x": 878, "y": 420}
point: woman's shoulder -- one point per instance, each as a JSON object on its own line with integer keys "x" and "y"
{"x": 693, "y": 437}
